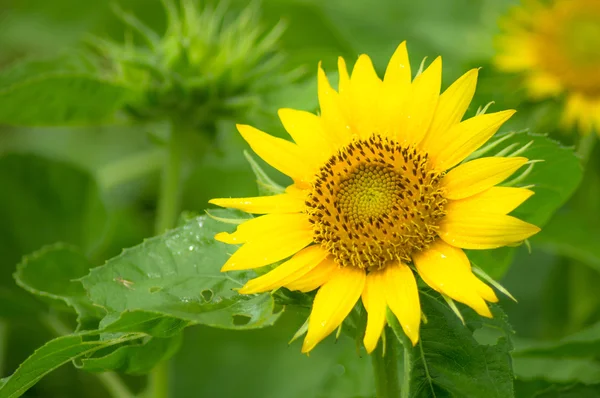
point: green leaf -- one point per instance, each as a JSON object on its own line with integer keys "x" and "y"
{"x": 44, "y": 201}
{"x": 51, "y": 273}
{"x": 554, "y": 180}
{"x": 177, "y": 274}
{"x": 585, "y": 343}
{"x": 557, "y": 370}
{"x": 51, "y": 356}
{"x": 573, "y": 234}
{"x": 62, "y": 91}
{"x": 133, "y": 359}
{"x": 449, "y": 361}
{"x": 571, "y": 359}
{"x": 574, "y": 231}
{"x": 569, "y": 391}
{"x": 150, "y": 323}
{"x": 116, "y": 332}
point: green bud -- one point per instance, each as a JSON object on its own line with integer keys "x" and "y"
{"x": 209, "y": 65}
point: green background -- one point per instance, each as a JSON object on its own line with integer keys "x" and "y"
{"x": 69, "y": 184}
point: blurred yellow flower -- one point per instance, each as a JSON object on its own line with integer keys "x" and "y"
{"x": 556, "y": 44}
{"x": 372, "y": 200}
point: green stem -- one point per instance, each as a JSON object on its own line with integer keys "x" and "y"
{"x": 114, "y": 385}
{"x": 170, "y": 189}
{"x": 159, "y": 381}
{"x": 385, "y": 367}
{"x": 586, "y": 146}
{"x": 407, "y": 368}
{"x": 3, "y": 341}
{"x": 110, "y": 380}
{"x": 166, "y": 218}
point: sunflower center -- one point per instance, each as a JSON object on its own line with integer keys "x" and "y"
{"x": 368, "y": 192}
{"x": 376, "y": 201}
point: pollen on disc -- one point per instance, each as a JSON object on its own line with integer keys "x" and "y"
{"x": 376, "y": 201}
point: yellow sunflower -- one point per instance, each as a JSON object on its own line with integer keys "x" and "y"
{"x": 379, "y": 192}
{"x": 556, "y": 44}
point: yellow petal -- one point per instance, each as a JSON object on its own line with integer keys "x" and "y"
{"x": 364, "y": 97}
{"x": 373, "y": 298}
{"x": 256, "y": 228}
{"x": 344, "y": 82}
{"x": 314, "y": 278}
{"x": 298, "y": 191}
{"x": 425, "y": 92}
{"x": 452, "y": 106}
{"x": 307, "y": 131}
{"x": 270, "y": 246}
{"x": 402, "y": 297}
{"x": 484, "y": 230}
{"x": 448, "y": 270}
{"x": 542, "y": 85}
{"x": 398, "y": 72}
{"x": 497, "y": 200}
{"x": 333, "y": 116}
{"x": 395, "y": 93}
{"x": 284, "y": 203}
{"x": 519, "y": 53}
{"x": 283, "y": 155}
{"x": 451, "y": 147}
{"x": 582, "y": 112}
{"x": 302, "y": 262}
{"x": 478, "y": 175}
{"x": 333, "y": 302}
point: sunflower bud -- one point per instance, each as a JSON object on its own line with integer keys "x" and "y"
{"x": 210, "y": 64}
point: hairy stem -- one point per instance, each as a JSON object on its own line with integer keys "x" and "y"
{"x": 385, "y": 367}
{"x": 3, "y": 344}
{"x": 407, "y": 368}
{"x": 159, "y": 381}
{"x": 170, "y": 185}
{"x": 166, "y": 218}
{"x": 114, "y": 385}
{"x": 585, "y": 146}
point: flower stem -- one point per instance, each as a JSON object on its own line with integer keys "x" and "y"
{"x": 407, "y": 369}
{"x": 114, "y": 385}
{"x": 385, "y": 366}
{"x": 159, "y": 381}
{"x": 585, "y": 146}
{"x": 166, "y": 218}
{"x": 170, "y": 186}
{"x": 3, "y": 344}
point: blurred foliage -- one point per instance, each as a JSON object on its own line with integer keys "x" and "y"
{"x": 91, "y": 182}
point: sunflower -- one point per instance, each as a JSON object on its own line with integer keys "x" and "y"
{"x": 380, "y": 190}
{"x": 556, "y": 45}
